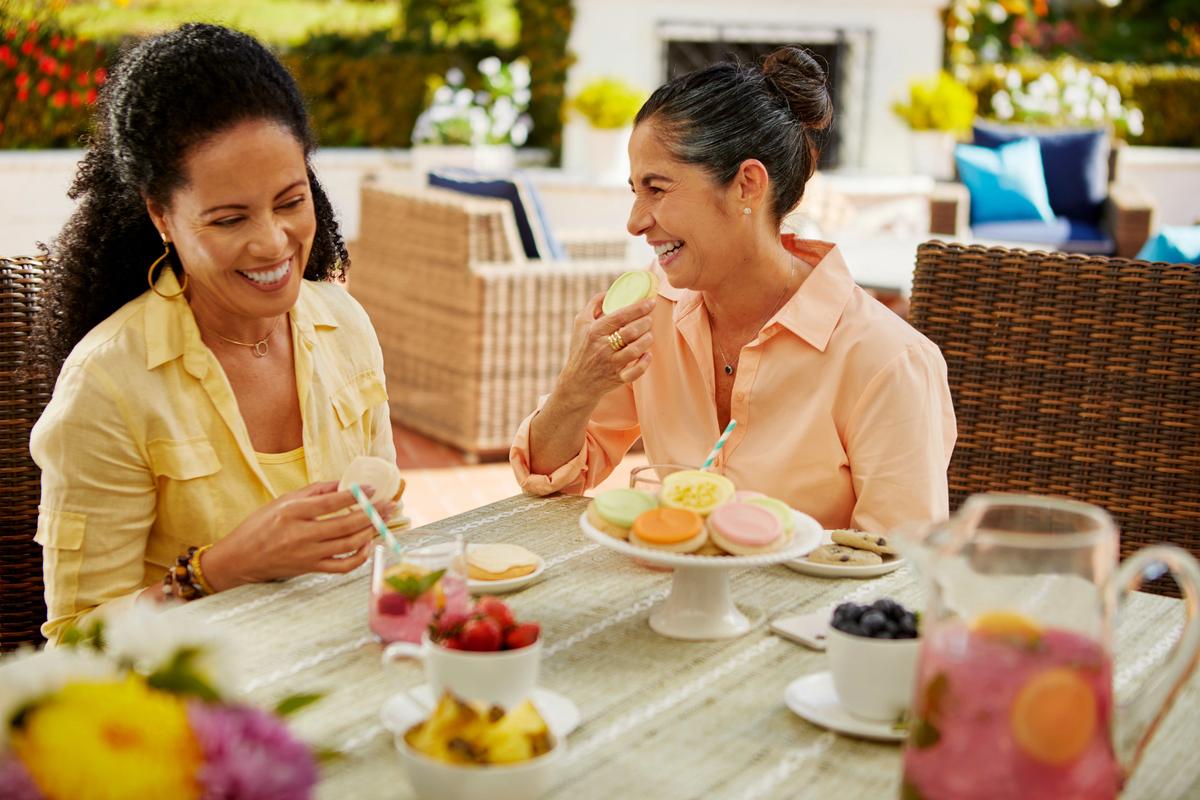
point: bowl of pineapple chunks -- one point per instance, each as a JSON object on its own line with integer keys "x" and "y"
{"x": 466, "y": 750}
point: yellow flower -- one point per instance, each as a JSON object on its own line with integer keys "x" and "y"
{"x": 110, "y": 741}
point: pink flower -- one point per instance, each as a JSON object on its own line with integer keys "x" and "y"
{"x": 249, "y": 755}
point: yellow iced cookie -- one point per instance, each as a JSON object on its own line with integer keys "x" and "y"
{"x": 695, "y": 490}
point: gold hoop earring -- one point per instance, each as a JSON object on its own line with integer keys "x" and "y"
{"x": 150, "y": 274}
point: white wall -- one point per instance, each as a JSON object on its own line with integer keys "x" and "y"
{"x": 619, "y": 38}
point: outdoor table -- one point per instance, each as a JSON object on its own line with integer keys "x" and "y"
{"x": 661, "y": 718}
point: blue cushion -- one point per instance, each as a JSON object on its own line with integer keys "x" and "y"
{"x": 537, "y": 240}
{"x": 1174, "y": 244}
{"x": 1075, "y": 164}
{"x": 1072, "y": 236}
{"x": 1006, "y": 182}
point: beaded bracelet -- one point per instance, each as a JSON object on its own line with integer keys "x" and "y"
{"x": 184, "y": 579}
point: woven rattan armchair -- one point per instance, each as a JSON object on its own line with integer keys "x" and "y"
{"x": 22, "y": 602}
{"x": 1075, "y": 376}
{"x": 472, "y": 333}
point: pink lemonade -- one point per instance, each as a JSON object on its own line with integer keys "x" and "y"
{"x": 397, "y": 617}
{"x": 1025, "y": 715}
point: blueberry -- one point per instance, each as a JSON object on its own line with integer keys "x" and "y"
{"x": 872, "y": 622}
{"x": 889, "y": 608}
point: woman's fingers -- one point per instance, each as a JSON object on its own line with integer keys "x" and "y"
{"x": 613, "y": 322}
{"x": 633, "y": 350}
{"x": 344, "y": 565}
{"x": 345, "y": 544}
{"x": 344, "y": 525}
{"x": 322, "y": 504}
{"x": 313, "y": 489}
{"x": 635, "y": 370}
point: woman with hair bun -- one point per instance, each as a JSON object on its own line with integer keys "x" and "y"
{"x": 213, "y": 379}
{"x": 843, "y": 409}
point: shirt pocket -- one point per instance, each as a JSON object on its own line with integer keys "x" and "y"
{"x": 185, "y": 472}
{"x": 62, "y": 530}
{"x": 364, "y": 392}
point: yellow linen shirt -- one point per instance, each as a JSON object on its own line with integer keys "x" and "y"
{"x": 843, "y": 408}
{"x": 144, "y": 453}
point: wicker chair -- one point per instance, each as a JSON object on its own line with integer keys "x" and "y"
{"x": 22, "y": 603}
{"x": 471, "y": 332}
{"x": 1075, "y": 376}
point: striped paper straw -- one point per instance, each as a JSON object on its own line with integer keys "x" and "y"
{"x": 376, "y": 520}
{"x": 708, "y": 462}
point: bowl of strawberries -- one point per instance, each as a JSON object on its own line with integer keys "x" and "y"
{"x": 484, "y": 654}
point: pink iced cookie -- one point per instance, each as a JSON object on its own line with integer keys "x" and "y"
{"x": 743, "y": 529}
{"x": 742, "y": 495}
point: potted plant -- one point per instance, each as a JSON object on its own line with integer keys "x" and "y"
{"x": 463, "y": 127}
{"x": 939, "y": 111}
{"x": 608, "y": 105}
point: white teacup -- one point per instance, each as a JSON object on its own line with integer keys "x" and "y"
{"x": 873, "y": 678}
{"x": 503, "y": 678}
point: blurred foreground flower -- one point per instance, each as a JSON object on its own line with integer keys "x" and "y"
{"x": 493, "y": 115}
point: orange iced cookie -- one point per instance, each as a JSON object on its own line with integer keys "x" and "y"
{"x": 673, "y": 529}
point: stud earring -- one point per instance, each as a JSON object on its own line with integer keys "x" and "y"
{"x": 746, "y": 211}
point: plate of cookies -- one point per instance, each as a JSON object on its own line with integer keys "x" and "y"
{"x": 498, "y": 568}
{"x": 849, "y": 554}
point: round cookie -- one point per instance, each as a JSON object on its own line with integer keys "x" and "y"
{"x": 499, "y": 561}
{"x": 743, "y": 529}
{"x": 862, "y": 540}
{"x": 842, "y": 556}
{"x": 695, "y": 490}
{"x": 778, "y": 508}
{"x": 628, "y": 288}
{"x": 675, "y": 530}
{"x": 615, "y": 510}
{"x": 373, "y": 471}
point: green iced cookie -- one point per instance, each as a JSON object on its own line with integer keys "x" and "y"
{"x": 622, "y": 506}
{"x": 776, "y": 507}
{"x": 628, "y": 289}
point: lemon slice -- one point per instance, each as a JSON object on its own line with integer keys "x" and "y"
{"x": 1010, "y": 625}
{"x": 695, "y": 491}
{"x": 1053, "y": 718}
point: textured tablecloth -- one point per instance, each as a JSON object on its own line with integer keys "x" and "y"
{"x": 661, "y": 718}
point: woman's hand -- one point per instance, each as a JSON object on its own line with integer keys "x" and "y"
{"x": 593, "y": 367}
{"x": 288, "y": 537}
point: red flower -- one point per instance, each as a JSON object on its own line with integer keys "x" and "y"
{"x": 90, "y": 97}
{"x": 76, "y": 99}
{"x": 5, "y": 53}
{"x": 1, "y": 126}
{"x": 60, "y": 98}
{"x": 27, "y": 46}
{"x": 101, "y": 75}
{"x": 64, "y": 72}
{"x": 54, "y": 41}
{"x": 43, "y": 87}
{"x": 82, "y": 79}
{"x": 22, "y": 80}
{"x": 10, "y": 34}
{"x": 23, "y": 94}
{"x": 69, "y": 44}
{"x": 33, "y": 26}
{"x": 49, "y": 66}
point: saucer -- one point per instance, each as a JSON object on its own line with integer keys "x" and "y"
{"x": 404, "y": 709}
{"x": 507, "y": 585}
{"x": 806, "y": 567}
{"x": 813, "y": 698}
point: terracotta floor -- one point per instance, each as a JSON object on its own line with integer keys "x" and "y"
{"x": 440, "y": 483}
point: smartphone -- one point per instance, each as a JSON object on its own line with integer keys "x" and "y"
{"x": 809, "y": 629}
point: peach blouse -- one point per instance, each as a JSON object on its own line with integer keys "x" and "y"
{"x": 843, "y": 408}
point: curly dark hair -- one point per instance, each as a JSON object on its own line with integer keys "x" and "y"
{"x": 166, "y": 95}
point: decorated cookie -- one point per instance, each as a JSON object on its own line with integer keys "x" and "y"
{"x": 629, "y": 288}
{"x": 861, "y": 540}
{"x": 842, "y": 556}
{"x": 695, "y": 491}
{"x": 615, "y": 510}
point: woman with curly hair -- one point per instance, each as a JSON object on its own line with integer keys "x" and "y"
{"x": 213, "y": 379}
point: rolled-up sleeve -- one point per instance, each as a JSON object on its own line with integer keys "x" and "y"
{"x": 611, "y": 431}
{"x": 98, "y": 500}
{"x": 899, "y": 439}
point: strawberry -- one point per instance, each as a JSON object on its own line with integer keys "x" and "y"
{"x": 522, "y": 635}
{"x": 447, "y": 626}
{"x": 393, "y": 604}
{"x": 481, "y": 634}
{"x": 495, "y": 608}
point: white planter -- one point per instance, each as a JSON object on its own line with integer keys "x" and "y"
{"x": 933, "y": 153}
{"x": 490, "y": 158}
{"x": 607, "y": 154}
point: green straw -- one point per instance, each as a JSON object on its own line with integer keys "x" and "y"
{"x": 376, "y": 520}
{"x": 708, "y": 462}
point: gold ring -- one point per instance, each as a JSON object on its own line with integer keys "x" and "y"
{"x": 615, "y": 341}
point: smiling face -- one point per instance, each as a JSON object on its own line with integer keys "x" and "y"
{"x": 692, "y": 222}
{"x": 243, "y": 223}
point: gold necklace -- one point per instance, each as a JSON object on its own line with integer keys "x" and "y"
{"x": 729, "y": 368}
{"x": 259, "y": 348}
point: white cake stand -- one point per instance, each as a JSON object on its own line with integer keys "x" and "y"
{"x": 700, "y": 605}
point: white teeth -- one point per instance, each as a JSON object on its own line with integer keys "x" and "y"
{"x": 268, "y": 276}
{"x": 669, "y": 247}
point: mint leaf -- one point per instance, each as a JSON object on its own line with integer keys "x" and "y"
{"x": 924, "y": 734}
{"x": 179, "y": 676}
{"x": 412, "y": 587}
{"x": 909, "y": 792}
{"x": 293, "y": 703}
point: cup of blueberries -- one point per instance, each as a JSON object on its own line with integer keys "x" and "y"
{"x": 873, "y": 657}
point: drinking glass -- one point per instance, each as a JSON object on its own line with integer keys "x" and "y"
{"x": 409, "y": 587}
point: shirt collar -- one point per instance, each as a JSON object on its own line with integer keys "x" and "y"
{"x": 813, "y": 311}
{"x": 171, "y": 330}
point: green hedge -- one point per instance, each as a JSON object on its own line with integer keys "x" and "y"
{"x": 1169, "y": 96}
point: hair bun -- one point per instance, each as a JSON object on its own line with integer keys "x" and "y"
{"x": 794, "y": 74}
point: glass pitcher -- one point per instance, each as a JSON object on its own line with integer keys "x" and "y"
{"x": 1014, "y": 691}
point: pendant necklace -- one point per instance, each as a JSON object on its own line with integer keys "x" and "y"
{"x": 259, "y": 348}
{"x": 729, "y": 368}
